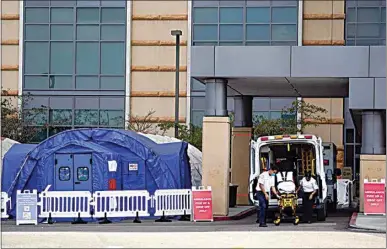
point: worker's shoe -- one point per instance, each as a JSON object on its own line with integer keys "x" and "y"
{"x": 262, "y": 225}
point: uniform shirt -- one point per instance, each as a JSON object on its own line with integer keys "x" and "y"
{"x": 266, "y": 180}
{"x": 308, "y": 186}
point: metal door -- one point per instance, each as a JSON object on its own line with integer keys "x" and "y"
{"x": 64, "y": 174}
{"x": 82, "y": 172}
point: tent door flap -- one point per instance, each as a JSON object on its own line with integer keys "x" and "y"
{"x": 82, "y": 172}
{"x": 64, "y": 172}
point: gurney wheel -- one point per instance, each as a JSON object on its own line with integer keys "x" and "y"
{"x": 277, "y": 221}
{"x": 296, "y": 221}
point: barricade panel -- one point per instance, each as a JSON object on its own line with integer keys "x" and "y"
{"x": 172, "y": 202}
{"x": 4, "y": 205}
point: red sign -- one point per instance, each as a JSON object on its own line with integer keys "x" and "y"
{"x": 374, "y": 198}
{"x": 202, "y": 205}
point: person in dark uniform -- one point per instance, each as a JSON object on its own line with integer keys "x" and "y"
{"x": 309, "y": 187}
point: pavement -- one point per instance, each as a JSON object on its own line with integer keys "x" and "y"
{"x": 375, "y": 223}
{"x": 243, "y": 233}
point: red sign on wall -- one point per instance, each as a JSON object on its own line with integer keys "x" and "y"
{"x": 202, "y": 205}
{"x": 374, "y": 198}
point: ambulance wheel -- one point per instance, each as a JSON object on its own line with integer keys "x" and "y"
{"x": 321, "y": 214}
{"x": 296, "y": 221}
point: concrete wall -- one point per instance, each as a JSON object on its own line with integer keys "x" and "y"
{"x": 9, "y": 47}
{"x": 152, "y": 82}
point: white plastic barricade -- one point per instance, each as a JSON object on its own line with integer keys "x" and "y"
{"x": 126, "y": 203}
{"x": 64, "y": 204}
{"x": 4, "y": 205}
{"x": 172, "y": 202}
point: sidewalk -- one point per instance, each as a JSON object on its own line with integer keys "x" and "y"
{"x": 237, "y": 213}
{"x": 376, "y": 223}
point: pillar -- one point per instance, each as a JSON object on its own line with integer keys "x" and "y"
{"x": 216, "y": 145}
{"x": 373, "y": 133}
{"x": 240, "y": 146}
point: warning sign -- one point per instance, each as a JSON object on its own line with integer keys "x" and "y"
{"x": 202, "y": 204}
{"x": 374, "y": 198}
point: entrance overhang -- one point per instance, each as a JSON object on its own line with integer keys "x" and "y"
{"x": 284, "y": 71}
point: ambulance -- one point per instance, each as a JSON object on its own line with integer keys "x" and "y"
{"x": 303, "y": 153}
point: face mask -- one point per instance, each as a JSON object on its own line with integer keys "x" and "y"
{"x": 272, "y": 174}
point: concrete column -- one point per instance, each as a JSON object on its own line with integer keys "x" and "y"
{"x": 216, "y": 97}
{"x": 240, "y": 146}
{"x": 373, "y": 133}
{"x": 243, "y": 111}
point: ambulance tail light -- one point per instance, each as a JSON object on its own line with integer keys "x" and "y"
{"x": 308, "y": 137}
{"x": 264, "y": 138}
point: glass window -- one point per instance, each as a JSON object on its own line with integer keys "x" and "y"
{"x": 112, "y": 118}
{"x": 205, "y": 32}
{"x": 83, "y": 173}
{"x": 113, "y": 15}
{"x": 113, "y": 58}
{"x": 284, "y": 15}
{"x": 257, "y": 32}
{"x": 113, "y": 32}
{"x": 205, "y": 43}
{"x": 64, "y": 174}
{"x": 112, "y": 83}
{"x": 36, "y": 58}
{"x": 231, "y": 32}
{"x": 349, "y": 155}
{"x": 36, "y": 3}
{"x": 36, "y": 15}
{"x": 37, "y": 32}
{"x": 87, "y": 83}
{"x": 258, "y": 43}
{"x": 63, "y": 3}
{"x": 62, "y": 15}
{"x": 284, "y": 32}
{"x": 349, "y": 42}
{"x": 86, "y": 117}
{"x": 351, "y": 15}
{"x": 383, "y": 14}
{"x": 61, "y": 82}
{"x": 55, "y": 130}
{"x": 87, "y": 15}
{"x": 205, "y": 15}
{"x": 231, "y": 15}
{"x": 351, "y": 30}
{"x": 197, "y": 118}
{"x": 368, "y": 14}
{"x": 88, "y": 32}
{"x": 383, "y": 30}
{"x": 275, "y": 115}
{"x": 62, "y": 58}
{"x": 368, "y": 30}
{"x": 36, "y": 116}
{"x": 257, "y": 15}
{"x": 35, "y": 82}
{"x": 368, "y": 42}
{"x": 87, "y": 58}
{"x": 62, "y": 32}
{"x": 61, "y": 117}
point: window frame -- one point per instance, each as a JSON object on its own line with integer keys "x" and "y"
{"x": 59, "y": 173}
{"x": 88, "y": 173}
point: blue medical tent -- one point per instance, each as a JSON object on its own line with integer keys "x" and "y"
{"x": 84, "y": 160}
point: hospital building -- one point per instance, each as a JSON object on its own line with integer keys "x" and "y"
{"x": 115, "y": 59}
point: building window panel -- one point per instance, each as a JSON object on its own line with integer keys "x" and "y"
{"x": 113, "y": 58}
{"x": 87, "y": 58}
{"x": 351, "y": 30}
{"x": 258, "y": 43}
{"x": 368, "y": 42}
{"x": 87, "y": 83}
{"x": 61, "y": 117}
{"x": 36, "y": 3}
{"x": 62, "y": 15}
{"x": 231, "y": 15}
{"x": 62, "y": 32}
{"x": 112, "y": 83}
{"x": 112, "y": 118}
{"x": 197, "y": 117}
{"x": 33, "y": 51}
{"x": 87, "y": 15}
{"x": 113, "y": 32}
{"x": 368, "y": 15}
{"x": 86, "y": 117}
{"x": 284, "y": 43}
{"x": 113, "y": 15}
{"x": 37, "y": 15}
{"x": 61, "y": 82}
{"x": 87, "y": 32}
{"x": 206, "y": 32}
{"x": 384, "y": 14}
{"x": 35, "y": 82}
{"x": 257, "y": 15}
{"x": 35, "y": 117}
{"x": 351, "y": 15}
{"x": 284, "y": 15}
{"x": 205, "y": 15}
{"x": 368, "y": 30}
{"x": 258, "y": 32}
{"x": 63, "y": 3}
{"x": 36, "y": 32}
{"x": 231, "y": 32}
{"x": 205, "y": 43}
{"x": 62, "y": 58}
{"x": 284, "y": 32}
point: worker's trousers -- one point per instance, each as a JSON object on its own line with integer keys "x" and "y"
{"x": 263, "y": 205}
{"x": 307, "y": 206}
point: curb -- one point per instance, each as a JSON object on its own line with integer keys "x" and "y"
{"x": 238, "y": 216}
{"x": 352, "y": 221}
